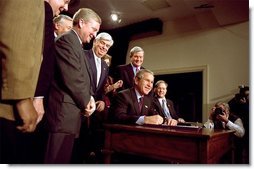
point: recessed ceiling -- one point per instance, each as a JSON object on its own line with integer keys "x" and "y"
{"x": 133, "y": 11}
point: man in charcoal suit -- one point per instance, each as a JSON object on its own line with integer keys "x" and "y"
{"x": 70, "y": 96}
{"x": 92, "y": 127}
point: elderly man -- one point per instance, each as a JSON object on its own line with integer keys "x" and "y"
{"x": 127, "y": 72}
{"x": 62, "y": 24}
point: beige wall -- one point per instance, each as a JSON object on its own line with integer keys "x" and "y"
{"x": 192, "y": 44}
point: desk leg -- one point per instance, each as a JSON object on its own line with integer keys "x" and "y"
{"x": 107, "y": 156}
{"x": 107, "y": 148}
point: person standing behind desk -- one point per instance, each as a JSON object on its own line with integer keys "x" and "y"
{"x": 21, "y": 39}
{"x": 127, "y": 72}
{"x": 52, "y": 8}
{"x": 239, "y": 106}
{"x": 165, "y": 106}
{"x": 62, "y": 24}
{"x": 71, "y": 93}
{"x": 36, "y": 142}
{"x": 99, "y": 73}
{"x": 134, "y": 105}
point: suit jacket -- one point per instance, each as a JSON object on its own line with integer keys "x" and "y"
{"x": 20, "y": 51}
{"x": 71, "y": 87}
{"x": 125, "y": 73}
{"x": 48, "y": 63}
{"x": 170, "y": 106}
{"x": 98, "y": 90}
{"x": 125, "y": 108}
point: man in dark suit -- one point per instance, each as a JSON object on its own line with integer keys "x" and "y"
{"x": 165, "y": 106}
{"x": 127, "y": 72}
{"x": 37, "y": 140}
{"x": 48, "y": 63}
{"x": 93, "y": 125}
{"x": 70, "y": 95}
{"x": 134, "y": 105}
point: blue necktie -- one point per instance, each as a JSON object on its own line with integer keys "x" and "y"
{"x": 165, "y": 109}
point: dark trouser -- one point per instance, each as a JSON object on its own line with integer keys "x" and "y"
{"x": 8, "y": 142}
{"x": 59, "y": 148}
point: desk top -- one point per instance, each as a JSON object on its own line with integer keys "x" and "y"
{"x": 187, "y": 131}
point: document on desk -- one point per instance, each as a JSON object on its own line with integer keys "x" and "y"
{"x": 179, "y": 125}
{"x": 186, "y": 125}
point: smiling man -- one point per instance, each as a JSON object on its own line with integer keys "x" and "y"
{"x": 94, "y": 124}
{"x": 127, "y": 72}
{"x": 134, "y": 105}
{"x": 70, "y": 95}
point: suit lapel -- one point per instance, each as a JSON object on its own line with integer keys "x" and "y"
{"x": 146, "y": 105}
{"x": 130, "y": 72}
{"x": 103, "y": 73}
{"x": 93, "y": 74}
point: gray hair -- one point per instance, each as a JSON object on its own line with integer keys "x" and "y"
{"x": 140, "y": 74}
{"x": 135, "y": 49}
{"x": 60, "y": 18}
{"x": 86, "y": 14}
{"x": 159, "y": 82}
{"x": 105, "y": 36}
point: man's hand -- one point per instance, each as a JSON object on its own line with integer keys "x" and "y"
{"x": 90, "y": 108}
{"x": 118, "y": 84}
{"x": 38, "y": 105}
{"x": 180, "y": 120}
{"x": 155, "y": 119}
{"x": 100, "y": 105}
{"x": 27, "y": 114}
{"x": 171, "y": 122}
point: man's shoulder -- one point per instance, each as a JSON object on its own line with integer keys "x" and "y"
{"x": 124, "y": 66}
{"x": 70, "y": 35}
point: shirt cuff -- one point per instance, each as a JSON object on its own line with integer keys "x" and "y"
{"x": 141, "y": 120}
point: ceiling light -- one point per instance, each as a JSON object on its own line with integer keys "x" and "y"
{"x": 114, "y": 17}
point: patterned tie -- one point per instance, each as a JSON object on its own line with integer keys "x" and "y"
{"x": 165, "y": 109}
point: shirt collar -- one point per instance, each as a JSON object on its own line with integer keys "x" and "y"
{"x": 95, "y": 56}
{"x": 80, "y": 41}
{"x": 134, "y": 67}
{"x": 138, "y": 94}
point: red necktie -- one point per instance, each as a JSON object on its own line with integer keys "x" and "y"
{"x": 140, "y": 103}
{"x": 137, "y": 69}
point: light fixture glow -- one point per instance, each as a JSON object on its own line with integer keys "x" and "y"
{"x": 114, "y": 17}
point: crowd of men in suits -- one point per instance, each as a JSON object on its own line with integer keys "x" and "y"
{"x": 64, "y": 94}
{"x": 50, "y": 83}
{"x": 53, "y": 92}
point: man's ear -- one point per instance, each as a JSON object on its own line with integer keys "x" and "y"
{"x": 56, "y": 25}
{"x": 81, "y": 23}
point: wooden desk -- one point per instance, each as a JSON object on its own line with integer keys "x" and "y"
{"x": 178, "y": 144}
